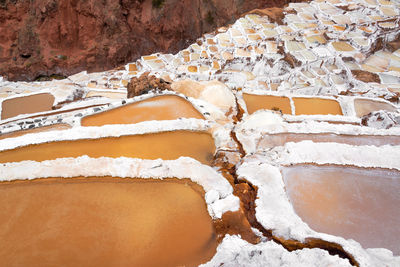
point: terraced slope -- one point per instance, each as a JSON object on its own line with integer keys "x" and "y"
{"x": 288, "y": 125}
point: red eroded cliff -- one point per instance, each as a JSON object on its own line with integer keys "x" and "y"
{"x": 46, "y": 37}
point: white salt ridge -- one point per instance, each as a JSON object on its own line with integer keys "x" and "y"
{"x": 214, "y": 184}
{"x": 114, "y": 130}
{"x": 66, "y": 108}
{"x": 386, "y": 156}
{"x": 264, "y": 122}
{"x": 322, "y": 118}
{"x": 235, "y": 252}
{"x": 274, "y": 212}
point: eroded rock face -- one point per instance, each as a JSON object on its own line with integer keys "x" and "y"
{"x": 146, "y": 83}
{"x": 43, "y": 38}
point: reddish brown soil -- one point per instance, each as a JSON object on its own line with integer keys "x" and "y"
{"x": 366, "y": 76}
{"x": 65, "y": 37}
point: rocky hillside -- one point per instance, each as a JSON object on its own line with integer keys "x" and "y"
{"x": 48, "y": 37}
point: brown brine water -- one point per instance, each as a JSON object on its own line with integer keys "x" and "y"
{"x": 104, "y": 221}
{"x": 164, "y": 145}
{"x": 26, "y": 105}
{"x": 316, "y": 106}
{"x": 167, "y": 107}
{"x": 357, "y": 203}
{"x": 257, "y": 102}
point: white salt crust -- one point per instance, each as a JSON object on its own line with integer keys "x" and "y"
{"x": 264, "y": 122}
{"x": 386, "y": 156}
{"x": 235, "y": 252}
{"x": 219, "y": 193}
{"x": 115, "y": 130}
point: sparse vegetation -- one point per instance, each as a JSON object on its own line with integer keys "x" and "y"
{"x": 158, "y": 3}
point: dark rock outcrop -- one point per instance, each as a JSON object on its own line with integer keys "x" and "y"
{"x": 146, "y": 83}
{"x": 47, "y": 37}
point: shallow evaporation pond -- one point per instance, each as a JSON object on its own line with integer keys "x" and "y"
{"x": 167, "y": 107}
{"x": 104, "y": 221}
{"x": 55, "y": 127}
{"x": 64, "y": 112}
{"x": 357, "y": 203}
{"x": 272, "y": 140}
{"x": 257, "y": 102}
{"x": 164, "y": 145}
{"x": 26, "y": 105}
{"x": 365, "y": 106}
{"x": 316, "y": 106}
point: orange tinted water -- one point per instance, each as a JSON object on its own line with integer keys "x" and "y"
{"x": 156, "y": 108}
{"x": 257, "y": 102}
{"x": 61, "y": 126}
{"x": 316, "y": 106}
{"x": 104, "y": 222}
{"x": 273, "y": 140}
{"x": 26, "y": 104}
{"x": 164, "y": 145}
{"x": 362, "y": 204}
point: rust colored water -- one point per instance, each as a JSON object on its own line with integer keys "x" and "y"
{"x": 104, "y": 222}
{"x": 273, "y": 140}
{"x": 316, "y": 106}
{"x": 156, "y": 108}
{"x": 26, "y": 105}
{"x": 257, "y": 102}
{"x": 362, "y": 204}
{"x": 365, "y": 106}
{"x": 164, "y": 145}
{"x": 61, "y": 126}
